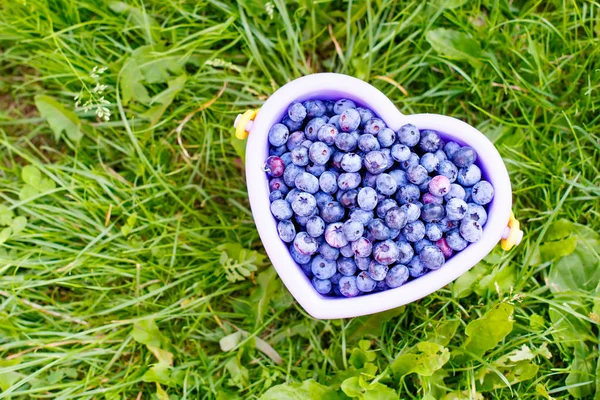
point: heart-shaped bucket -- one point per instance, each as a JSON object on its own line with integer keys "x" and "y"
{"x": 500, "y": 225}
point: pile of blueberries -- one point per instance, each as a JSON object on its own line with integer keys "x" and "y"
{"x": 364, "y": 208}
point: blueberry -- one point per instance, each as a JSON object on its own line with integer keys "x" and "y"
{"x": 374, "y": 126}
{"x": 400, "y": 152}
{"x": 412, "y": 210}
{"x": 347, "y": 251}
{"x": 439, "y": 186}
{"x": 428, "y": 198}
{"x": 299, "y": 257}
{"x": 328, "y": 252}
{"x": 455, "y": 241}
{"x": 303, "y": 219}
{"x": 322, "y": 268}
{"x": 286, "y": 158}
{"x": 365, "y": 283}
{"x": 277, "y": 151}
{"x": 315, "y": 108}
{"x": 386, "y": 137}
{"x": 362, "y": 263}
{"x": 349, "y": 180}
{"x": 395, "y": 233}
{"x": 405, "y": 252}
{"x": 381, "y": 286}
{"x": 365, "y": 115}
{"x": 447, "y": 224}
{"x": 315, "y": 169}
{"x": 367, "y": 198}
{"x": 386, "y": 184}
{"x": 444, "y": 248}
{"x": 386, "y": 252}
{"x": 432, "y": 212}
{"x": 281, "y": 210}
{"x": 411, "y": 162}
{"x": 397, "y": 276}
{"x": 422, "y": 243}
{"x": 464, "y": 157}
{"x": 368, "y": 143}
{"x": 441, "y": 156}
{"x": 349, "y": 120}
{"x": 469, "y": 176}
{"x": 328, "y": 182}
{"x": 348, "y": 286}
{"x": 409, "y": 135}
{"x": 378, "y": 229}
{"x": 315, "y": 226}
{"x": 278, "y": 135}
{"x": 319, "y": 153}
{"x": 450, "y": 148}
{"x": 424, "y": 186}
{"x": 349, "y": 198}
{"x": 456, "y": 192}
{"x": 332, "y": 212}
{"x": 470, "y": 230}
{"x": 278, "y": 184}
{"x": 408, "y": 194}
{"x": 307, "y": 143}
{"x": 416, "y": 267}
{"x": 290, "y": 174}
{"x": 432, "y": 257}
{"x": 416, "y": 174}
{"x": 335, "y": 121}
{"x": 430, "y": 141}
{"x": 377, "y": 271}
{"x": 414, "y": 231}
{"x": 334, "y": 235}
{"x": 482, "y": 193}
{"x": 274, "y": 166}
{"x": 351, "y": 162}
{"x": 336, "y": 160}
{"x": 342, "y": 105}
{"x": 292, "y": 125}
{"x": 275, "y": 195}
{"x": 384, "y": 206}
{"x": 296, "y": 112}
{"x": 448, "y": 169}
{"x": 399, "y": 176}
{"x": 307, "y": 182}
{"x": 313, "y": 127}
{"x": 306, "y": 268}
{"x": 295, "y": 139}
{"x": 322, "y": 198}
{"x": 375, "y": 162}
{"x": 369, "y": 180}
{"x": 300, "y": 156}
{"x": 286, "y": 230}
{"x": 476, "y": 213}
{"x": 433, "y": 231}
{"x": 291, "y": 196}
{"x": 396, "y": 218}
{"x": 346, "y": 266}
{"x": 353, "y": 230}
{"x": 327, "y": 134}
{"x": 346, "y": 141}
{"x": 322, "y": 286}
{"x": 456, "y": 209}
{"x": 305, "y": 244}
{"x": 362, "y": 216}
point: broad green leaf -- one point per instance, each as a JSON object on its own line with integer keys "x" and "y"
{"x": 434, "y": 386}
{"x": 579, "y": 271}
{"x": 9, "y": 378}
{"x": 28, "y": 191}
{"x": 229, "y": 342}
{"x": 239, "y": 146}
{"x": 463, "y": 395}
{"x": 161, "y": 394}
{"x": 370, "y": 325}
{"x": 514, "y": 373}
{"x": 465, "y": 283}
{"x": 358, "y": 387}
{"x": 499, "y": 280}
{"x": 486, "y": 332}
{"x": 308, "y": 390}
{"x": 59, "y": 118}
{"x": 581, "y": 373}
{"x": 541, "y": 391}
{"x": 559, "y": 230}
{"x": 553, "y": 250}
{"x": 238, "y": 374}
{"x": 537, "y": 322}
{"x": 46, "y": 185}
{"x": 31, "y": 175}
{"x": 268, "y": 285}
{"x": 568, "y": 328}
{"x": 351, "y": 387}
{"x": 5, "y": 234}
{"x": 146, "y": 332}
{"x": 443, "y": 333}
{"x": 159, "y": 373}
{"x": 424, "y": 359}
{"x": 362, "y": 355}
{"x": 18, "y": 224}
{"x": 163, "y": 356}
{"x": 131, "y": 85}
{"x": 455, "y": 45}
{"x": 164, "y": 99}
{"x": 6, "y": 215}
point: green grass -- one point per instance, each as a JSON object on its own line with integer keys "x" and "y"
{"x": 125, "y": 228}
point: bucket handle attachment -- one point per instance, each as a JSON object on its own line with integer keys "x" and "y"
{"x": 243, "y": 123}
{"x": 512, "y": 234}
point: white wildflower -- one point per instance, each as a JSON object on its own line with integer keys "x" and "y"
{"x": 270, "y": 8}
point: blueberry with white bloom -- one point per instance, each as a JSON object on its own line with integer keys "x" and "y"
{"x": 433, "y": 231}
{"x": 448, "y": 169}
{"x": 421, "y": 244}
{"x": 377, "y": 271}
{"x": 439, "y": 186}
{"x": 384, "y": 206}
{"x": 292, "y": 125}
{"x": 367, "y": 198}
{"x": 400, "y": 152}
{"x": 476, "y": 213}
{"x": 334, "y": 235}
{"x": 397, "y": 276}
{"x": 414, "y": 231}
{"x": 430, "y": 141}
{"x": 432, "y": 212}
{"x": 386, "y": 184}
{"x": 303, "y": 219}
{"x": 378, "y": 229}
{"x": 409, "y": 135}
{"x": 349, "y": 198}
{"x": 300, "y": 156}
{"x": 375, "y": 162}
{"x": 336, "y": 160}
{"x": 295, "y": 139}
{"x": 327, "y": 134}
{"x": 450, "y": 148}
{"x": 424, "y": 186}
{"x": 364, "y": 282}
{"x": 322, "y": 268}
{"x": 464, "y": 157}
{"x": 405, "y": 251}
{"x": 312, "y": 128}
{"x": 315, "y": 226}
{"x": 335, "y": 121}
{"x": 368, "y": 143}
{"x": 428, "y": 198}
{"x": 347, "y": 251}
{"x": 328, "y": 252}
{"x": 412, "y": 211}
{"x": 416, "y": 267}
{"x": 399, "y": 176}
{"x": 349, "y": 180}
{"x": 278, "y": 184}
{"x": 346, "y": 266}
{"x": 275, "y": 195}
{"x": 277, "y": 151}
{"x": 362, "y": 263}
{"x": 299, "y": 257}
{"x": 348, "y": 286}
{"x": 286, "y": 231}
{"x": 369, "y": 180}
{"x": 386, "y": 252}
{"x": 322, "y": 286}
{"x": 328, "y": 182}
{"x": 411, "y": 162}
{"x": 290, "y": 174}
{"x": 346, "y": 141}
{"x": 307, "y": 182}
{"x": 278, "y": 135}
{"x": 456, "y": 209}
{"x": 332, "y": 212}
{"x": 447, "y": 224}
{"x": 305, "y": 244}
{"x": 281, "y": 210}
{"x": 430, "y": 162}
{"x": 365, "y": 115}
{"x": 416, "y": 174}
{"x": 396, "y": 218}
{"x": 353, "y": 230}
{"x": 296, "y": 112}
{"x": 342, "y": 105}
{"x": 456, "y": 192}
{"x": 386, "y": 137}
{"x": 469, "y": 176}
{"x": 374, "y": 126}
{"x": 315, "y": 169}
{"x": 322, "y": 198}
{"x": 432, "y": 257}
{"x": 483, "y": 193}
{"x": 286, "y": 158}
{"x": 470, "y": 230}
{"x": 408, "y": 194}
{"x": 441, "y": 155}
{"x": 315, "y": 108}
{"x": 319, "y": 153}
{"x": 455, "y": 241}
{"x": 349, "y": 120}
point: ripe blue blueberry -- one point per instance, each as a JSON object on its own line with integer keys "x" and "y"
{"x": 365, "y": 115}
{"x": 292, "y": 125}
{"x": 411, "y": 162}
{"x": 430, "y": 162}
{"x": 456, "y": 192}
{"x": 327, "y": 134}
{"x": 353, "y": 230}
{"x": 399, "y": 176}
{"x": 299, "y": 257}
{"x": 281, "y": 210}
{"x": 408, "y": 194}
{"x": 319, "y": 153}
{"x": 362, "y": 263}
{"x": 430, "y": 141}
{"x": 455, "y": 241}
{"x": 351, "y": 162}
{"x": 439, "y": 186}
{"x": 278, "y": 135}
{"x": 300, "y": 156}
{"x": 346, "y": 266}
{"x": 346, "y": 141}
{"x": 381, "y": 286}
{"x": 347, "y": 251}
{"x": 286, "y": 158}
{"x": 296, "y": 112}
{"x": 378, "y": 229}
{"x": 482, "y": 193}
{"x": 290, "y": 174}
{"x": 322, "y": 268}
{"x": 448, "y": 169}
{"x": 306, "y": 268}
{"x": 322, "y": 286}
{"x": 275, "y": 195}
{"x": 307, "y": 182}
{"x": 322, "y": 198}
{"x": 433, "y": 231}
{"x": 367, "y": 198}
{"x": 414, "y": 231}
{"x": 386, "y": 137}
{"x": 334, "y": 235}
{"x": 432, "y": 212}
{"x": 405, "y": 252}
{"x": 422, "y": 243}
{"x": 377, "y": 271}
{"x": 315, "y": 108}
{"x": 312, "y": 128}
{"x": 441, "y": 156}
{"x": 315, "y": 169}
{"x": 335, "y": 121}
{"x": 386, "y": 252}
{"x": 384, "y": 206}
{"x": 291, "y": 196}
{"x": 368, "y": 143}
{"x": 447, "y": 224}
{"x": 416, "y": 267}
{"x": 303, "y": 219}
{"x": 295, "y": 139}
{"x": 274, "y": 166}
{"x": 388, "y": 155}
{"x": 395, "y": 233}
{"x": 432, "y": 257}
{"x": 363, "y": 216}
{"x": 456, "y": 209}
{"x": 396, "y": 218}
{"x": 374, "y": 126}
{"x": 386, "y": 184}
{"x": 400, "y": 152}
{"x": 469, "y": 176}
{"x": 332, "y": 212}
{"x": 348, "y": 286}
{"x": 375, "y": 162}
{"x": 409, "y": 135}
{"x": 397, "y": 276}
{"x": 349, "y": 180}
{"x": 464, "y": 157}
{"x": 278, "y": 184}
{"x": 369, "y": 180}
{"x": 349, "y": 198}
{"x": 349, "y": 120}
{"x": 305, "y": 244}
{"x": 286, "y": 231}
{"x": 477, "y": 213}
{"x": 412, "y": 211}
{"x": 342, "y": 105}
{"x": 470, "y": 230}
{"x": 315, "y": 226}
{"x": 450, "y": 148}
{"x": 307, "y": 143}
{"x": 364, "y": 282}
{"x": 328, "y": 252}
{"x": 328, "y": 182}
{"x": 416, "y": 174}
{"x": 277, "y": 151}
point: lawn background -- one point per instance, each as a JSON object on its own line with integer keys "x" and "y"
{"x": 126, "y": 243}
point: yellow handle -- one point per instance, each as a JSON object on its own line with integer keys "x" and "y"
{"x": 514, "y": 235}
{"x": 242, "y": 122}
